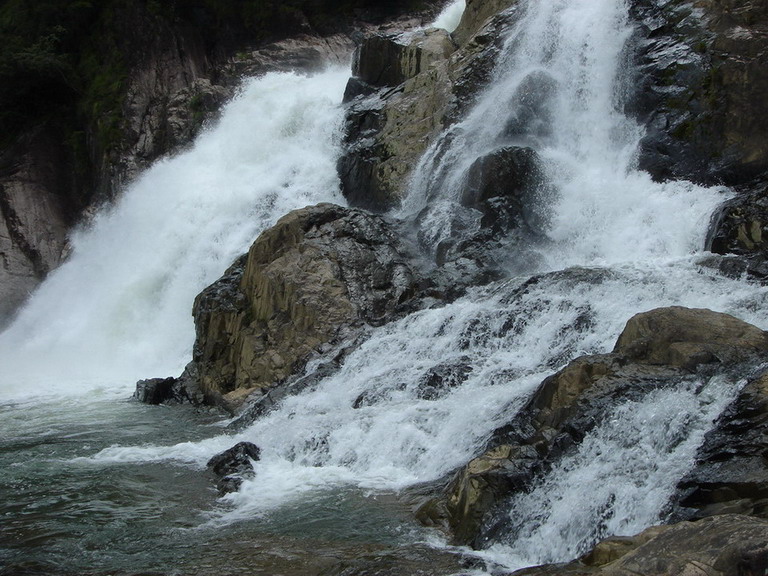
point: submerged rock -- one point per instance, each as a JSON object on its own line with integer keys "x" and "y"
{"x": 660, "y": 348}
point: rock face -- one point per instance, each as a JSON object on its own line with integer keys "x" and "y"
{"x": 656, "y": 349}
{"x": 730, "y": 545}
{"x": 731, "y": 472}
{"x": 701, "y": 84}
{"x": 35, "y": 215}
{"x": 306, "y": 285}
{"x": 406, "y": 89}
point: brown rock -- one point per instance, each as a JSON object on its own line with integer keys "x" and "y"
{"x": 657, "y": 348}
{"x": 309, "y": 282}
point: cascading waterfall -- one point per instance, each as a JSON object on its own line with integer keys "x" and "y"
{"x": 120, "y": 308}
{"x": 616, "y": 244}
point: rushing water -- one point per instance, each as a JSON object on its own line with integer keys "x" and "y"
{"x": 332, "y": 457}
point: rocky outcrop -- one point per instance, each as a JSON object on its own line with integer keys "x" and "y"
{"x": 233, "y": 466}
{"x": 308, "y": 284}
{"x": 701, "y": 84}
{"x": 657, "y": 349}
{"x": 154, "y": 75}
{"x": 407, "y": 89}
{"x": 730, "y": 545}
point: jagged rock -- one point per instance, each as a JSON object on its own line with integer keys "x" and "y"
{"x": 428, "y": 84}
{"x": 701, "y": 87}
{"x": 234, "y": 465}
{"x": 738, "y": 229}
{"x": 390, "y": 60}
{"x": 181, "y": 390}
{"x": 307, "y": 284}
{"x": 155, "y": 390}
{"x": 728, "y": 545}
{"x": 659, "y": 348}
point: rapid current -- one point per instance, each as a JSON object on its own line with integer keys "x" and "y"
{"x": 94, "y": 483}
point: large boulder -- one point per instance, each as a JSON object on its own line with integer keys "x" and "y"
{"x": 701, "y": 86}
{"x": 308, "y": 284}
{"x": 660, "y": 348}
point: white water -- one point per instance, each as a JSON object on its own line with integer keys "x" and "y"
{"x": 120, "y": 308}
{"x": 450, "y": 16}
{"x": 638, "y": 239}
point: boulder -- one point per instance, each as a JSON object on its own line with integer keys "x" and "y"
{"x": 307, "y": 285}
{"x": 659, "y": 348}
{"x": 232, "y": 466}
{"x": 506, "y": 186}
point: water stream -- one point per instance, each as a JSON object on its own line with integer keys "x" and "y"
{"x": 333, "y": 457}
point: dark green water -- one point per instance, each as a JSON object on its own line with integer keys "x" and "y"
{"x": 63, "y": 515}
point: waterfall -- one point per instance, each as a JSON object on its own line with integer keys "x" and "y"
{"x": 614, "y": 243}
{"x": 120, "y": 308}
{"x": 374, "y": 426}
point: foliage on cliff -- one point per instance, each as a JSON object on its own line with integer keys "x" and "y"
{"x": 66, "y": 62}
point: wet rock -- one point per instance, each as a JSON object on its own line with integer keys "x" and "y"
{"x": 740, "y": 229}
{"x": 660, "y": 348}
{"x": 155, "y": 390}
{"x": 728, "y": 545}
{"x": 424, "y": 84}
{"x": 234, "y": 465}
{"x": 731, "y": 471}
{"x": 182, "y": 390}
{"x": 507, "y": 186}
{"x": 700, "y": 87}
{"x": 308, "y": 284}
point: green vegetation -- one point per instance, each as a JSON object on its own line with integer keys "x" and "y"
{"x": 64, "y": 64}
